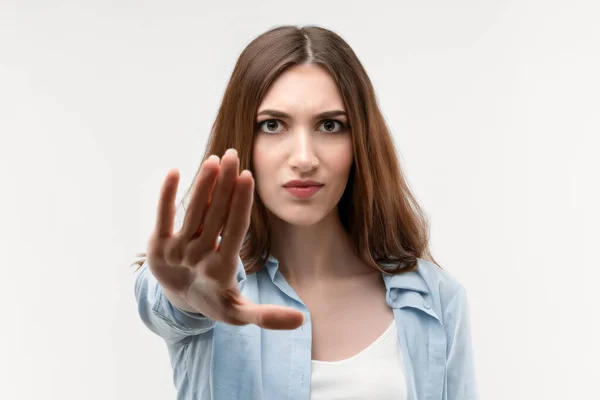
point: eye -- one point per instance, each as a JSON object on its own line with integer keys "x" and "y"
{"x": 329, "y": 125}
{"x": 270, "y": 125}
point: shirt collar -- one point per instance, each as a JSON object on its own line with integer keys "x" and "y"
{"x": 411, "y": 280}
{"x": 272, "y": 266}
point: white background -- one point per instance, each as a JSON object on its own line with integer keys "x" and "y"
{"x": 494, "y": 106}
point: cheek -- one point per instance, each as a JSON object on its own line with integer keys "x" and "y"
{"x": 341, "y": 160}
{"x": 258, "y": 160}
{"x": 262, "y": 169}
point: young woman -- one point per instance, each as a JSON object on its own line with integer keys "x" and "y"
{"x": 318, "y": 284}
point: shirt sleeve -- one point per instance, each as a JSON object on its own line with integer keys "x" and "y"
{"x": 461, "y": 376}
{"x": 164, "y": 318}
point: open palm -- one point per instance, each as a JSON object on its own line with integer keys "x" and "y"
{"x": 193, "y": 265}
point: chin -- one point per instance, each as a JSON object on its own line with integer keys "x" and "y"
{"x": 301, "y": 217}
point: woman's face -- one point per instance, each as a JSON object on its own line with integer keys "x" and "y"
{"x": 295, "y": 140}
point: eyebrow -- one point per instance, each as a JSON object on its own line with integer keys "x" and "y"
{"x": 281, "y": 114}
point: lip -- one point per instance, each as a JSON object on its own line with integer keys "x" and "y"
{"x": 302, "y": 184}
{"x": 303, "y": 192}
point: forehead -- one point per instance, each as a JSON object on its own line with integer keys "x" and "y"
{"x": 301, "y": 88}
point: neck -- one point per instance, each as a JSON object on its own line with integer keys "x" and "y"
{"x": 318, "y": 252}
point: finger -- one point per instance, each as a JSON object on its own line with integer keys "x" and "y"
{"x": 165, "y": 216}
{"x": 219, "y": 203}
{"x": 199, "y": 199}
{"x": 238, "y": 218}
{"x": 270, "y": 316}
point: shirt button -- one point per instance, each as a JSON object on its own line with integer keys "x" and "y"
{"x": 426, "y": 305}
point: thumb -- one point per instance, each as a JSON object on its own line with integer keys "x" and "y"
{"x": 270, "y": 316}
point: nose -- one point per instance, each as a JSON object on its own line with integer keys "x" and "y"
{"x": 303, "y": 156}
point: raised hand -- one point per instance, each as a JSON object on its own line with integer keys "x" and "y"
{"x": 192, "y": 265}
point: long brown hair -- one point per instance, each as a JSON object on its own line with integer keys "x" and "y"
{"x": 377, "y": 209}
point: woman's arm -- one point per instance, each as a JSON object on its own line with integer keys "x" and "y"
{"x": 461, "y": 376}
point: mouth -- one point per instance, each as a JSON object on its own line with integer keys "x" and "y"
{"x": 303, "y": 192}
{"x": 299, "y": 183}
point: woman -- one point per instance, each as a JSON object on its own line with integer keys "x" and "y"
{"x": 318, "y": 284}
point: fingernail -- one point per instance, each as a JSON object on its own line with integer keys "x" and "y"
{"x": 231, "y": 151}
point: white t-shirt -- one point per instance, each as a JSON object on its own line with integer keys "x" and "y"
{"x": 377, "y": 372}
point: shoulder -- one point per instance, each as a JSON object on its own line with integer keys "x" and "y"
{"x": 439, "y": 281}
{"x": 444, "y": 288}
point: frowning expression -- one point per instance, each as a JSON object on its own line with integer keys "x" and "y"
{"x": 302, "y": 138}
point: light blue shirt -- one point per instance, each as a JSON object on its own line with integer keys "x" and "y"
{"x": 213, "y": 360}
